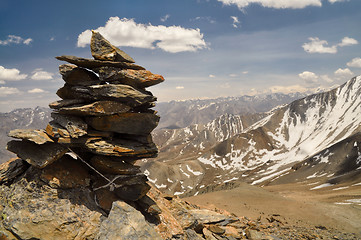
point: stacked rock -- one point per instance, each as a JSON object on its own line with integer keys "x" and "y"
{"x": 104, "y": 119}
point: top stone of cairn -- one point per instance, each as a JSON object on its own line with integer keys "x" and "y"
{"x": 102, "y": 49}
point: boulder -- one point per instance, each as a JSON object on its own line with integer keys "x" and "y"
{"x": 128, "y": 123}
{"x": 11, "y": 170}
{"x": 35, "y": 136}
{"x": 74, "y": 125}
{"x": 116, "y": 92}
{"x": 99, "y": 108}
{"x": 91, "y": 63}
{"x": 74, "y": 75}
{"x": 121, "y": 148}
{"x": 65, "y": 173}
{"x": 111, "y": 166}
{"x": 102, "y": 49}
{"x": 37, "y": 155}
{"x": 126, "y": 223}
{"x": 134, "y": 78}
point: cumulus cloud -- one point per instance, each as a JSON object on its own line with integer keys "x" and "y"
{"x": 308, "y": 77}
{"x": 346, "y": 72}
{"x": 5, "y": 91}
{"x": 236, "y": 22}
{"x": 233, "y": 75}
{"x": 12, "y": 39}
{"x": 208, "y": 19}
{"x": 321, "y": 46}
{"x": 164, "y": 18}
{"x": 126, "y": 32}
{"x": 279, "y": 4}
{"x": 326, "y": 78}
{"x": 39, "y": 74}
{"x": 356, "y": 62}
{"x": 11, "y": 74}
{"x": 211, "y": 76}
{"x": 179, "y": 87}
{"x": 36, "y": 90}
{"x": 288, "y": 89}
{"x": 333, "y": 1}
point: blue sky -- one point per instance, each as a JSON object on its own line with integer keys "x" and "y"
{"x": 203, "y": 48}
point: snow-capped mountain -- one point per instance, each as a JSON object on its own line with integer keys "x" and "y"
{"x": 20, "y": 118}
{"x": 269, "y": 148}
{"x": 180, "y": 114}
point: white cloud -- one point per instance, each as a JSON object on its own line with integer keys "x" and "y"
{"x": 2, "y": 82}
{"x": 236, "y": 22}
{"x": 179, "y": 87}
{"x": 308, "y": 77}
{"x": 36, "y": 90}
{"x": 52, "y": 39}
{"x": 39, "y": 74}
{"x": 233, "y": 75}
{"x": 346, "y": 72}
{"x": 320, "y": 46}
{"x": 11, "y": 74}
{"x": 15, "y": 40}
{"x": 245, "y": 72}
{"x": 5, "y": 91}
{"x": 288, "y": 89}
{"x": 126, "y": 32}
{"x": 356, "y": 62}
{"x": 280, "y": 4}
{"x": 211, "y": 76}
{"x": 164, "y": 18}
{"x": 326, "y": 78}
{"x": 346, "y": 41}
{"x": 208, "y": 19}
{"x": 225, "y": 85}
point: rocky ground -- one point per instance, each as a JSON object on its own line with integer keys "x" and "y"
{"x": 292, "y": 211}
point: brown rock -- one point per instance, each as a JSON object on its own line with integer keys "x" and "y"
{"x": 36, "y": 136}
{"x": 99, "y": 108}
{"x": 53, "y": 129}
{"x": 121, "y": 148}
{"x": 117, "y": 92}
{"x": 128, "y": 123}
{"x": 107, "y": 165}
{"x": 134, "y": 78}
{"x": 105, "y": 198}
{"x": 208, "y": 234}
{"x": 65, "y": 103}
{"x": 91, "y": 63}
{"x": 12, "y": 169}
{"x": 74, "y": 125}
{"x": 37, "y": 155}
{"x": 102, "y": 49}
{"x": 94, "y": 133}
{"x": 254, "y": 235}
{"x": 66, "y": 173}
{"x": 215, "y": 229}
{"x": 74, "y": 75}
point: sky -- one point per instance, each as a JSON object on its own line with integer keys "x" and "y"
{"x": 203, "y": 48}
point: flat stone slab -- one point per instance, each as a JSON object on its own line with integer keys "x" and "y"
{"x": 74, "y": 75}
{"x": 55, "y": 130}
{"x": 74, "y": 125}
{"x": 112, "y": 166}
{"x": 65, "y": 103}
{"x": 102, "y": 49}
{"x": 206, "y": 216}
{"x": 121, "y": 148}
{"x": 128, "y": 123}
{"x": 36, "y": 136}
{"x": 115, "y": 92}
{"x": 135, "y": 78}
{"x": 12, "y": 169}
{"x": 37, "y": 155}
{"x": 99, "y": 108}
{"x": 92, "y": 63}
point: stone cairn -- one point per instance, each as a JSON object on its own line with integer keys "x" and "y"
{"x": 104, "y": 120}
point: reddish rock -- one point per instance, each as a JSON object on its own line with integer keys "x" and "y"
{"x": 128, "y": 123}
{"x": 53, "y": 129}
{"x": 66, "y": 173}
{"x": 99, "y": 108}
{"x": 134, "y": 78}
{"x": 65, "y": 103}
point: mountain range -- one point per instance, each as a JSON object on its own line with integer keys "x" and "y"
{"x": 315, "y": 137}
